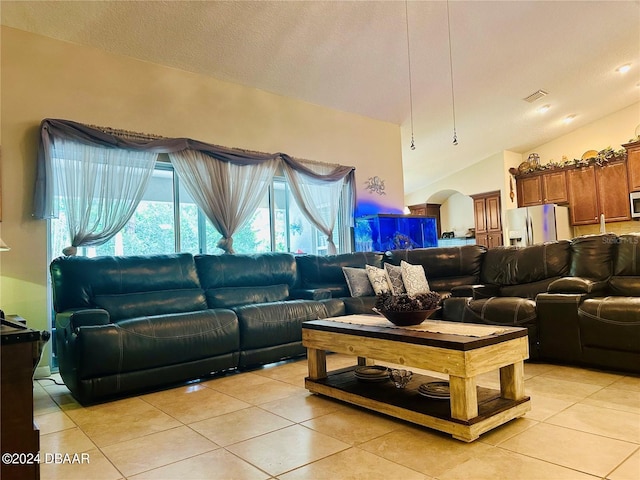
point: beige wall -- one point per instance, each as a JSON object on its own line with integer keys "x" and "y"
{"x": 610, "y": 131}
{"x": 484, "y": 176}
{"x": 44, "y": 78}
{"x": 456, "y": 214}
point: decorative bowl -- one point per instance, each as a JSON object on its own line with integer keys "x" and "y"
{"x": 400, "y": 377}
{"x": 406, "y": 318}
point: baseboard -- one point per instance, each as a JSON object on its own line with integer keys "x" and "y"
{"x": 42, "y": 372}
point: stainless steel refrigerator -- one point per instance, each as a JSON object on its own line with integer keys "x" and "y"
{"x": 538, "y": 224}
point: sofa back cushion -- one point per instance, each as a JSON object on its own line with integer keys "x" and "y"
{"x": 626, "y": 267}
{"x": 231, "y": 280}
{"x": 627, "y": 255}
{"x": 127, "y": 286}
{"x": 444, "y": 267}
{"x": 522, "y": 265}
{"x": 592, "y": 256}
{"x": 317, "y": 271}
{"x": 133, "y": 305}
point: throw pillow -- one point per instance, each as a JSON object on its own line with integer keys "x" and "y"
{"x": 394, "y": 277}
{"x": 378, "y": 278}
{"x": 358, "y": 282}
{"x": 414, "y": 279}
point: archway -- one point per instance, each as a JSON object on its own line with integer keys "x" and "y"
{"x": 456, "y": 215}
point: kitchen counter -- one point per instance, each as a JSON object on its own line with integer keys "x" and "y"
{"x": 456, "y": 242}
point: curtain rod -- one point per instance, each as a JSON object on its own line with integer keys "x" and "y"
{"x": 127, "y": 133}
{"x": 149, "y": 136}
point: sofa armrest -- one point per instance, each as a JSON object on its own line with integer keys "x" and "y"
{"x": 476, "y": 291}
{"x": 577, "y": 285}
{"x": 558, "y": 326}
{"x": 462, "y": 291}
{"x": 310, "y": 294}
{"x": 453, "y": 308}
{"x": 73, "y": 319}
{"x": 359, "y": 305}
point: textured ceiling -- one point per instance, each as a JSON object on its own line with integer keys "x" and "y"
{"x": 352, "y": 56}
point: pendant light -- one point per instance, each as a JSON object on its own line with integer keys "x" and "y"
{"x": 406, "y": 14}
{"x": 453, "y": 98}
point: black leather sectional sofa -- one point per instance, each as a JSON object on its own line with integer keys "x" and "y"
{"x": 126, "y": 324}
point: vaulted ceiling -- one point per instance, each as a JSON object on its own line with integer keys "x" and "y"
{"x": 353, "y": 56}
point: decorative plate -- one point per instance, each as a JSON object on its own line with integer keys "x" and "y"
{"x": 589, "y": 154}
{"x": 372, "y": 373}
{"x": 524, "y": 166}
{"x": 436, "y": 390}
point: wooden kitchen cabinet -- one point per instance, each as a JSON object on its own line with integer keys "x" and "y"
{"x": 583, "y": 203}
{"x": 488, "y": 222}
{"x": 554, "y": 187}
{"x": 529, "y": 190}
{"x": 633, "y": 165}
{"x": 613, "y": 192}
{"x": 596, "y": 190}
{"x": 538, "y": 189}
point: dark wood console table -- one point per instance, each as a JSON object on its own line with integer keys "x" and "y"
{"x": 19, "y": 351}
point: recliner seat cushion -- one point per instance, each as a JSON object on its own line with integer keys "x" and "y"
{"x": 148, "y": 342}
{"x": 511, "y": 311}
{"x": 130, "y": 305}
{"x": 610, "y": 323}
{"x": 235, "y": 296}
{"x": 276, "y": 323}
{"x": 527, "y": 290}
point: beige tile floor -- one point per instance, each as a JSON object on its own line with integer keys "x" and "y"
{"x": 263, "y": 424}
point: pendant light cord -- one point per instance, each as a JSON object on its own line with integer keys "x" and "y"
{"x": 453, "y": 97}
{"x": 406, "y": 14}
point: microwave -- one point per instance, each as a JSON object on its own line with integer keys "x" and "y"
{"x": 635, "y": 204}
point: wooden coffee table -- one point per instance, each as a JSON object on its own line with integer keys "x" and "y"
{"x": 470, "y": 411}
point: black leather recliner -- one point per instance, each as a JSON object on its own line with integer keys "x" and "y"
{"x": 592, "y": 316}
{"x": 124, "y": 324}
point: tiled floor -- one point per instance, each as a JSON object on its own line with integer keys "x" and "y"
{"x": 584, "y": 424}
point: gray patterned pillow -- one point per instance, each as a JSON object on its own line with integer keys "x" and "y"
{"x": 378, "y": 278}
{"x": 358, "y": 282}
{"x": 414, "y": 279}
{"x": 394, "y": 277}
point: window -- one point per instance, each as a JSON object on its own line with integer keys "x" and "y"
{"x": 167, "y": 220}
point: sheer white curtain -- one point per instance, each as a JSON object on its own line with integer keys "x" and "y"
{"x": 318, "y": 199}
{"x": 227, "y": 193}
{"x": 100, "y": 187}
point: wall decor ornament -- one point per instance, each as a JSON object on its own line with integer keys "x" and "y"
{"x": 375, "y": 185}
{"x": 600, "y": 158}
{"x": 534, "y": 159}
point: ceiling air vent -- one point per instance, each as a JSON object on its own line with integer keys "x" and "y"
{"x": 535, "y": 96}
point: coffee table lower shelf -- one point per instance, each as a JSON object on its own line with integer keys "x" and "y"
{"x": 407, "y": 404}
